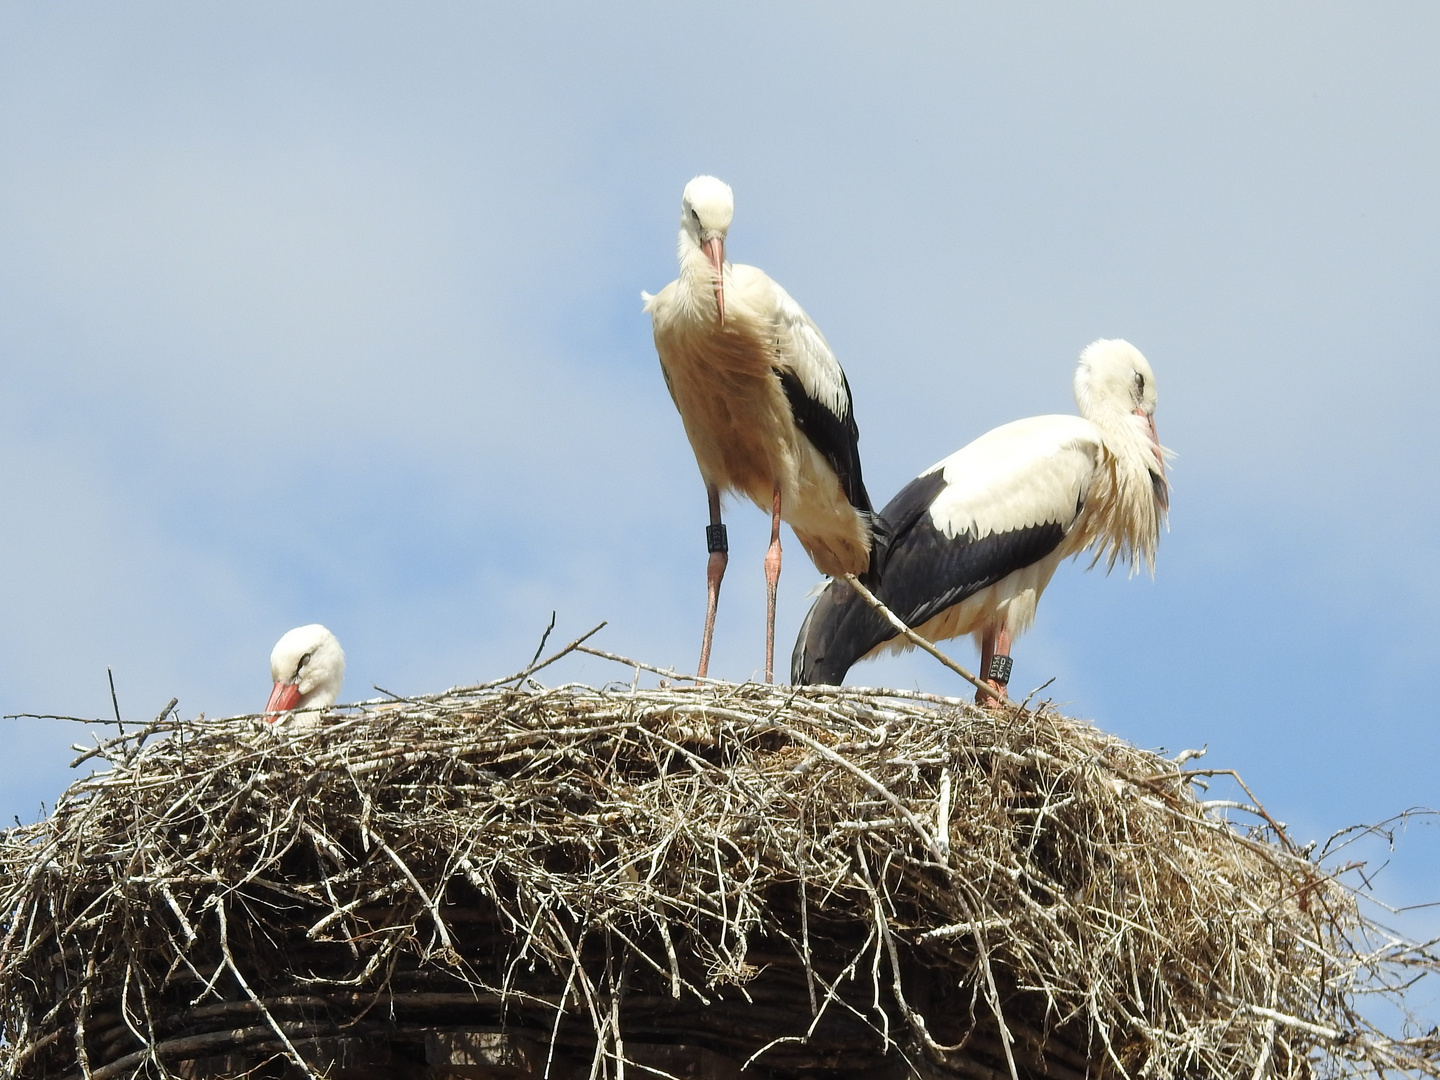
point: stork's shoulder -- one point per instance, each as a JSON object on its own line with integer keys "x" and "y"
{"x": 767, "y": 300}
{"x": 792, "y": 317}
{"x": 754, "y": 286}
{"x": 800, "y": 349}
{"x": 1028, "y": 472}
{"x": 1018, "y": 445}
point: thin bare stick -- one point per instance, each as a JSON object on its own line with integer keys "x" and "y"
{"x": 420, "y": 890}
{"x": 115, "y": 701}
{"x": 918, "y": 641}
{"x": 229, "y": 962}
{"x": 523, "y": 675}
{"x": 543, "y": 638}
{"x": 667, "y": 672}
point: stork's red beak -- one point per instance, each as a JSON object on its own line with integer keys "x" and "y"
{"x": 714, "y": 249}
{"x": 1162, "y": 488}
{"x": 283, "y": 698}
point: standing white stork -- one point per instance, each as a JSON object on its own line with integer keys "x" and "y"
{"x": 308, "y": 668}
{"x": 765, "y": 405}
{"x": 976, "y": 537}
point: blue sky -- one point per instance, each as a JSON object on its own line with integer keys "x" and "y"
{"x": 330, "y": 312}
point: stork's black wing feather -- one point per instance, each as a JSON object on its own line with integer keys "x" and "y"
{"x": 932, "y": 571}
{"x": 835, "y": 435}
{"x": 926, "y": 571}
{"x": 905, "y": 510}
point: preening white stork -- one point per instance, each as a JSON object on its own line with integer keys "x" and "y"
{"x": 764, "y": 402}
{"x": 976, "y": 537}
{"x": 308, "y": 667}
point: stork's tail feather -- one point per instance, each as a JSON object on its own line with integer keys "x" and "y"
{"x": 807, "y": 660}
{"x": 839, "y": 629}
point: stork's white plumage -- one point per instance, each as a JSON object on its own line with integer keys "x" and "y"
{"x": 765, "y": 404}
{"x": 976, "y": 537}
{"x": 308, "y": 668}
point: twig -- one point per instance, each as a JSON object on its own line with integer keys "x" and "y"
{"x": 420, "y": 891}
{"x": 667, "y": 672}
{"x": 543, "y": 638}
{"x": 229, "y": 961}
{"x": 55, "y": 716}
{"x": 519, "y": 677}
{"x": 915, "y": 639}
{"x": 1280, "y": 833}
{"x": 940, "y": 853}
{"x": 114, "y": 701}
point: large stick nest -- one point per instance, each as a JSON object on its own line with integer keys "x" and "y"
{"x": 818, "y": 882}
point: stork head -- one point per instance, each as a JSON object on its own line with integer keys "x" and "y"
{"x": 705, "y": 212}
{"x": 308, "y": 667}
{"x": 1115, "y": 387}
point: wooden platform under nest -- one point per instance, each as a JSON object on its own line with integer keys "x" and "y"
{"x": 511, "y": 880}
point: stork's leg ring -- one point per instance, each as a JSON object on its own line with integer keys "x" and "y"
{"x": 995, "y": 666}
{"x": 718, "y": 544}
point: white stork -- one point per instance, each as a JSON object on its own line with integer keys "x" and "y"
{"x": 308, "y": 667}
{"x": 764, "y": 402}
{"x": 976, "y": 537}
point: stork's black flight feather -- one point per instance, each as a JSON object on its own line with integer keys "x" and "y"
{"x": 925, "y": 572}
{"x": 836, "y": 436}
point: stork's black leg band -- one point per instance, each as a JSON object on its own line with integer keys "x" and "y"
{"x": 1000, "y": 669}
{"x": 716, "y": 540}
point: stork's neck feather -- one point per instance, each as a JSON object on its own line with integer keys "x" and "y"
{"x": 1123, "y": 514}
{"x": 697, "y": 280}
{"x": 694, "y": 266}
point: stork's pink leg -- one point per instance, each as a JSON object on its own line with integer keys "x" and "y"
{"x": 719, "y": 546}
{"x": 994, "y": 664}
{"x": 772, "y": 582}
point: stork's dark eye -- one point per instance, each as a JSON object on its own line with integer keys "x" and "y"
{"x": 695, "y": 214}
{"x": 1140, "y": 382}
{"x": 301, "y": 666}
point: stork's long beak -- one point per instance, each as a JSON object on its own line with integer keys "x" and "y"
{"x": 283, "y": 698}
{"x": 1162, "y": 488}
{"x": 714, "y": 249}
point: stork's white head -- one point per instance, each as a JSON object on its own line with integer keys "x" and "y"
{"x": 706, "y": 208}
{"x": 1115, "y": 389}
{"x": 308, "y": 668}
{"x": 1114, "y": 376}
